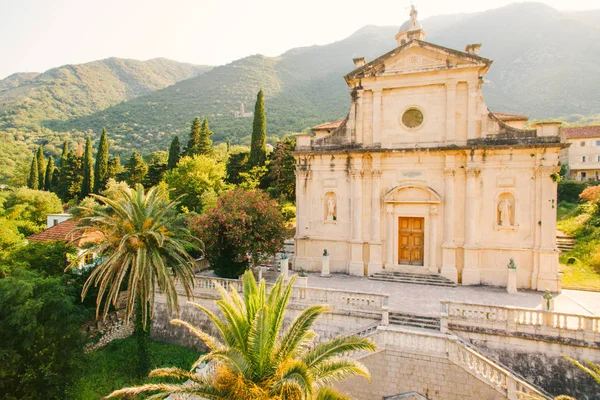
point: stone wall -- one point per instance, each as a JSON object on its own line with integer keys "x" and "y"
{"x": 395, "y": 372}
{"x": 327, "y": 326}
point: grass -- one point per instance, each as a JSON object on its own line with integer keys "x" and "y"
{"x": 114, "y": 367}
{"x": 580, "y": 266}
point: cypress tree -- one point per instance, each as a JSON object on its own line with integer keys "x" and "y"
{"x": 205, "y": 144}
{"x": 87, "y": 186}
{"x": 194, "y": 142}
{"x": 114, "y": 168}
{"x": 33, "y": 180}
{"x": 136, "y": 169}
{"x": 41, "y": 165}
{"x": 71, "y": 177}
{"x": 228, "y": 143}
{"x": 65, "y": 153}
{"x": 49, "y": 174}
{"x": 258, "y": 146}
{"x": 174, "y": 152}
{"x": 101, "y": 167}
{"x": 54, "y": 184}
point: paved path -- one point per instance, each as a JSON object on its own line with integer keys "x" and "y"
{"x": 425, "y": 300}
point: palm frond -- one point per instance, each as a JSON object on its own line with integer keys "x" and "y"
{"x": 336, "y": 347}
{"x": 328, "y": 393}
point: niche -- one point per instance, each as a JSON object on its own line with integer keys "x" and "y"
{"x": 505, "y": 210}
{"x": 330, "y": 207}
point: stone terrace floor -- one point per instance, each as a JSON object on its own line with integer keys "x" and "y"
{"x": 425, "y": 300}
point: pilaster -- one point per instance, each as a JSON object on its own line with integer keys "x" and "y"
{"x": 471, "y": 274}
{"x": 450, "y": 111}
{"x": 356, "y": 266}
{"x": 389, "y": 236}
{"x": 448, "y": 247}
{"x": 433, "y": 245}
{"x": 359, "y": 116}
{"x": 375, "y": 243}
{"x": 376, "y": 117}
{"x": 472, "y": 110}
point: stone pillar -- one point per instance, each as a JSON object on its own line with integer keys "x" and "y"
{"x": 284, "y": 267}
{"x": 471, "y": 272}
{"x": 389, "y": 236}
{"x": 450, "y": 111}
{"x": 472, "y": 116}
{"x": 376, "y": 118}
{"x": 375, "y": 243}
{"x": 433, "y": 244}
{"x": 449, "y": 248}
{"x": 300, "y": 201}
{"x": 325, "y": 265}
{"x": 548, "y": 276}
{"x": 356, "y": 266}
{"x": 359, "y": 116}
{"x": 511, "y": 286}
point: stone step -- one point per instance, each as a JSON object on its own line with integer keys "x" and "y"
{"x": 416, "y": 321}
{"x": 417, "y": 279}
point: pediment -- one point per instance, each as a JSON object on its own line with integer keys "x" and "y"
{"x": 419, "y": 59}
{"x": 417, "y": 56}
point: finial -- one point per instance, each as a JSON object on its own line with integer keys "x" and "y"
{"x": 413, "y": 17}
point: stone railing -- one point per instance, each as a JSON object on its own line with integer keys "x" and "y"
{"x": 301, "y": 295}
{"x": 461, "y": 354}
{"x": 489, "y": 372}
{"x": 520, "y": 320}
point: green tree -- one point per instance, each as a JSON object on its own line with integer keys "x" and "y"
{"x": 65, "y": 153}
{"x": 49, "y": 174}
{"x": 282, "y": 170}
{"x": 228, "y": 144}
{"x": 135, "y": 169}
{"x": 30, "y": 205}
{"x": 193, "y": 146}
{"x": 174, "y": 153}
{"x": 71, "y": 177}
{"x": 194, "y": 179}
{"x": 101, "y": 167}
{"x": 243, "y": 222}
{"x": 114, "y": 168}
{"x": 41, "y": 165}
{"x": 33, "y": 180}
{"x": 256, "y": 359}
{"x": 87, "y": 185}
{"x": 144, "y": 248}
{"x": 258, "y": 149}
{"x": 155, "y": 175}
{"x": 42, "y": 345}
{"x": 205, "y": 144}
{"x": 236, "y": 165}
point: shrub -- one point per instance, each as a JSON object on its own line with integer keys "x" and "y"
{"x": 590, "y": 193}
{"x": 245, "y": 225}
{"x": 569, "y": 190}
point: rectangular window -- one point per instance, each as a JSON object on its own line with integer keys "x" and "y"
{"x": 89, "y": 259}
{"x": 597, "y": 142}
{"x": 598, "y": 159}
{"x": 583, "y": 175}
{"x": 582, "y": 143}
{"x": 583, "y": 159}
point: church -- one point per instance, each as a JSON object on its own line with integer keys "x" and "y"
{"x": 422, "y": 178}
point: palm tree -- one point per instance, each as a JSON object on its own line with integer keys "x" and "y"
{"x": 254, "y": 359}
{"x": 142, "y": 247}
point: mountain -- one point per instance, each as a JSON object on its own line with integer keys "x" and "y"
{"x": 545, "y": 64}
{"x": 26, "y": 99}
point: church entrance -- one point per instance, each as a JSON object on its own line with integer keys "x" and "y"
{"x": 411, "y": 232}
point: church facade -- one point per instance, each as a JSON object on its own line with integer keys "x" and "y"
{"x": 421, "y": 177}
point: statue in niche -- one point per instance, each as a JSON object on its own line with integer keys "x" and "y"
{"x": 505, "y": 209}
{"x": 331, "y": 209}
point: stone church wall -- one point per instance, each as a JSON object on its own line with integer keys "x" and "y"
{"x": 395, "y": 372}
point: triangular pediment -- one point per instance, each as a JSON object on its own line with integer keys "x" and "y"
{"x": 417, "y": 56}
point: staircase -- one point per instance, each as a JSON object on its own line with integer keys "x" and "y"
{"x": 409, "y": 277}
{"x": 415, "y": 321}
{"x": 564, "y": 242}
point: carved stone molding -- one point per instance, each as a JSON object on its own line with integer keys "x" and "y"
{"x": 357, "y": 174}
{"x": 449, "y": 171}
{"x": 473, "y": 172}
{"x": 376, "y": 173}
{"x": 389, "y": 209}
{"x": 433, "y": 211}
{"x": 451, "y": 86}
{"x": 542, "y": 170}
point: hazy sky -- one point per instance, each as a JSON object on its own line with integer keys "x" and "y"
{"x": 36, "y": 35}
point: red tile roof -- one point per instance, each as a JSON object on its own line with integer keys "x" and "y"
{"x": 504, "y": 117}
{"x": 328, "y": 125}
{"x": 582, "y": 132}
{"x": 57, "y": 232}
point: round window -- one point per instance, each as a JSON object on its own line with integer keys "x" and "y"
{"x": 412, "y": 118}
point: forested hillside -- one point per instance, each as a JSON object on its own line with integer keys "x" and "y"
{"x": 545, "y": 65}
